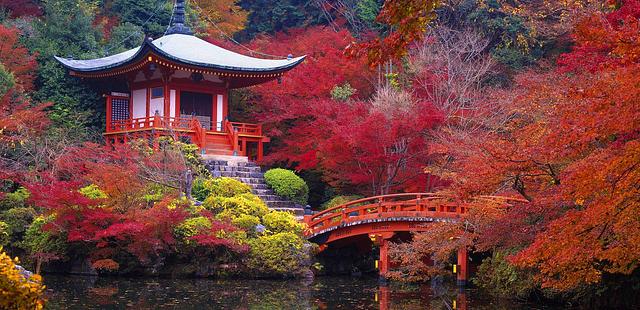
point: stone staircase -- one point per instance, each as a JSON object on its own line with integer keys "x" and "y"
{"x": 251, "y": 174}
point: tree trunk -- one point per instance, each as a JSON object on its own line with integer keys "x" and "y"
{"x": 38, "y": 265}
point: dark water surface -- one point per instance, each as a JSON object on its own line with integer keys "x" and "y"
{"x": 77, "y": 292}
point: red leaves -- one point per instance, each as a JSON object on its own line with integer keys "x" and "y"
{"x": 605, "y": 41}
{"x": 122, "y": 221}
{"x": 19, "y": 8}
{"x": 16, "y": 58}
{"x": 323, "y": 69}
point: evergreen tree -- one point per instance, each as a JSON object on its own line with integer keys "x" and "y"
{"x": 67, "y": 30}
{"x": 275, "y": 16}
{"x": 152, "y": 15}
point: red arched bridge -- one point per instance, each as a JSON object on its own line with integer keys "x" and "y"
{"x": 381, "y": 217}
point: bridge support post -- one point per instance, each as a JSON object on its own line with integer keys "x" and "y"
{"x": 462, "y": 272}
{"x": 383, "y": 299}
{"x": 384, "y": 258}
{"x": 383, "y": 262}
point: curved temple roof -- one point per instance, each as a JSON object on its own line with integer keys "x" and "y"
{"x": 186, "y": 49}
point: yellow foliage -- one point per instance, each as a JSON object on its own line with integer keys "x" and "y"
{"x": 227, "y": 16}
{"x": 17, "y": 291}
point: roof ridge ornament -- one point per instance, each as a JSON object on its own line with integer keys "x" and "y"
{"x": 178, "y": 22}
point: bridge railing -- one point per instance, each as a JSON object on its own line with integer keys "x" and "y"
{"x": 406, "y": 204}
{"x": 383, "y": 205}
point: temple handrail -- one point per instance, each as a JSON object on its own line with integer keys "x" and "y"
{"x": 161, "y": 122}
{"x": 232, "y": 135}
{"x": 246, "y": 128}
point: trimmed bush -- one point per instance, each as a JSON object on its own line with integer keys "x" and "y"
{"x": 224, "y": 187}
{"x": 284, "y": 254}
{"x": 246, "y": 222}
{"x": 229, "y": 208}
{"x": 287, "y": 184}
{"x": 277, "y": 222}
{"x": 338, "y": 200}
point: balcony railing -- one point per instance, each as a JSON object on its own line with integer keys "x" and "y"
{"x": 182, "y": 124}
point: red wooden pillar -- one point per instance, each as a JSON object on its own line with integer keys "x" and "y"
{"x": 167, "y": 101}
{"x": 260, "y": 151}
{"x": 108, "y": 129}
{"x": 243, "y": 149}
{"x": 383, "y": 242}
{"x": 383, "y": 298}
{"x": 384, "y": 258}
{"x": 461, "y": 301}
{"x": 462, "y": 270}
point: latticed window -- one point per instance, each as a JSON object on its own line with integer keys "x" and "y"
{"x": 119, "y": 109}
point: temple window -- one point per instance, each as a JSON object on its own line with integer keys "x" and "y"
{"x": 157, "y": 92}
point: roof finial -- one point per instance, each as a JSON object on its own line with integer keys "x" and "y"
{"x": 177, "y": 24}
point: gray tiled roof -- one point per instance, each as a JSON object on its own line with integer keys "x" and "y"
{"x": 186, "y": 49}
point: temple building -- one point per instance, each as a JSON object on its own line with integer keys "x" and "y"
{"x": 178, "y": 85}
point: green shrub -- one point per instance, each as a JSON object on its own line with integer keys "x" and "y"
{"x": 5, "y": 234}
{"x": 225, "y": 187}
{"x": 18, "y": 220}
{"x": 287, "y": 184}
{"x": 17, "y": 199}
{"x": 93, "y": 192}
{"x": 342, "y": 92}
{"x": 191, "y": 227}
{"x": 283, "y": 254}
{"x": 39, "y": 241}
{"x": 278, "y": 222}
{"x": 498, "y": 277}
{"x": 246, "y": 222}
{"x": 339, "y": 200}
{"x": 229, "y": 208}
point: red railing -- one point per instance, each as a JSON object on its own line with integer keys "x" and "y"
{"x": 160, "y": 122}
{"x": 400, "y": 205}
{"x": 232, "y": 135}
{"x": 239, "y": 135}
{"x": 378, "y": 205}
{"x": 247, "y": 129}
{"x": 157, "y": 122}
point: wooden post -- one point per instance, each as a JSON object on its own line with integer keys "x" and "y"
{"x": 260, "y": 151}
{"x": 108, "y": 129}
{"x": 461, "y": 300}
{"x": 384, "y": 258}
{"x": 235, "y": 142}
{"x": 462, "y": 271}
{"x": 383, "y": 299}
{"x": 167, "y": 102}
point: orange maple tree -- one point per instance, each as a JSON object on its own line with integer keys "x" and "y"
{"x": 572, "y": 147}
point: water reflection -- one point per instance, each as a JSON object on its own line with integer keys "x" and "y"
{"x": 75, "y": 292}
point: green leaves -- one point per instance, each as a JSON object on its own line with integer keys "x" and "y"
{"x": 287, "y": 184}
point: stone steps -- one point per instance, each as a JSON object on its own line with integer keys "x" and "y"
{"x": 251, "y": 174}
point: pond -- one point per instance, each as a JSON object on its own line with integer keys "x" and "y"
{"x": 78, "y": 292}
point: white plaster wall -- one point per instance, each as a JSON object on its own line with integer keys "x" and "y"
{"x": 172, "y": 103}
{"x": 219, "y": 103}
{"x": 156, "y": 104}
{"x": 139, "y": 103}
